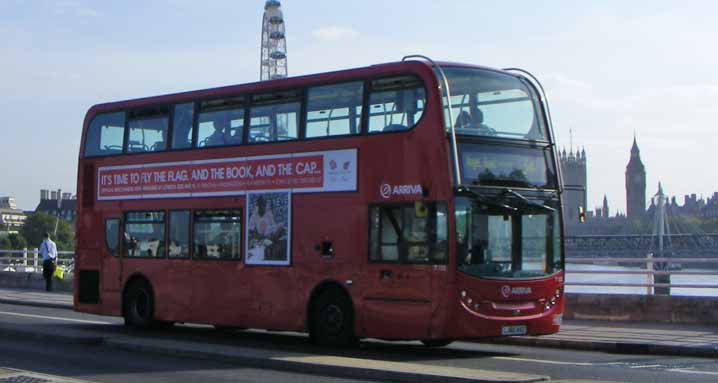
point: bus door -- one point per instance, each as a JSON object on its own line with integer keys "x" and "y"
{"x": 399, "y": 298}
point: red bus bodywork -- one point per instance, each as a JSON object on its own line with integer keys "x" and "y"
{"x": 390, "y": 301}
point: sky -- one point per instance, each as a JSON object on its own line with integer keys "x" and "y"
{"x": 611, "y": 69}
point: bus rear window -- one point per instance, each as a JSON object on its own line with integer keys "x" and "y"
{"x": 105, "y": 135}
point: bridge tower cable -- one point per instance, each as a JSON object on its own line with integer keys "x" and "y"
{"x": 660, "y": 238}
{"x": 273, "y": 60}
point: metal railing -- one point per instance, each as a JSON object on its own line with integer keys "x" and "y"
{"x": 624, "y": 266}
{"x": 30, "y": 260}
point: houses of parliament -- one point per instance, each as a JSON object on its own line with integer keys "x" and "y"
{"x": 574, "y": 169}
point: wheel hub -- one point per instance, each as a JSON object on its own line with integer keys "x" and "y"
{"x": 333, "y": 318}
{"x": 142, "y": 302}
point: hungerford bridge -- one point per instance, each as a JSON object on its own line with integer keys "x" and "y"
{"x": 662, "y": 242}
{"x": 638, "y": 245}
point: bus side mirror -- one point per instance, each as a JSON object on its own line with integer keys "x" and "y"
{"x": 581, "y": 214}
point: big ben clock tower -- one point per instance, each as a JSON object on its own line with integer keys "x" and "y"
{"x": 635, "y": 184}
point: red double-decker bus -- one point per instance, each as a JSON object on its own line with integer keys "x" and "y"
{"x": 408, "y": 200}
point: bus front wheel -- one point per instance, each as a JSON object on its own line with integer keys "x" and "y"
{"x": 138, "y": 305}
{"x": 332, "y": 320}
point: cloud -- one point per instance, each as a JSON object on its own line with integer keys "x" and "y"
{"x": 334, "y": 33}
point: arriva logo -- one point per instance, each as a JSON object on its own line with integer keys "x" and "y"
{"x": 387, "y": 190}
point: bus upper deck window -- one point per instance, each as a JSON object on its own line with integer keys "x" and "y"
{"x": 274, "y": 117}
{"x": 221, "y": 122}
{"x": 182, "y": 126}
{"x": 334, "y": 110}
{"x": 105, "y": 135}
{"x": 491, "y": 103}
{"x": 148, "y": 130}
{"x": 395, "y": 104}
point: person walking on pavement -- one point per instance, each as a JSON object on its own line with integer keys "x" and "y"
{"x": 48, "y": 250}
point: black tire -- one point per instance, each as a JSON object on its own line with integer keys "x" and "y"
{"x": 436, "y": 342}
{"x": 138, "y": 305}
{"x": 332, "y": 320}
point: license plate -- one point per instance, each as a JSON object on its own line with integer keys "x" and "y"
{"x": 513, "y": 330}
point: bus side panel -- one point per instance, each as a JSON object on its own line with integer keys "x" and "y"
{"x": 173, "y": 287}
{"x": 329, "y": 245}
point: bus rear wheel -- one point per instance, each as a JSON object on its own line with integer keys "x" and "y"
{"x": 436, "y": 342}
{"x": 332, "y": 320}
{"x": 138, "y": 305}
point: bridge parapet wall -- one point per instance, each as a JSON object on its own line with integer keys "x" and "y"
{"x": 32, "y": 281}
{"x": 642, "y": 308}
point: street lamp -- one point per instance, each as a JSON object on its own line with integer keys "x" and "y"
{"x": 59, "y": 209}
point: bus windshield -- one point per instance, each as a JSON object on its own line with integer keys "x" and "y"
{"x": 507, "y": 237}
{"x": 489, "y": 103}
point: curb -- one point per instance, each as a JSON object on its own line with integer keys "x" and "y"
{"x": 612, "y": 347}
{"x": 36, "y": 304}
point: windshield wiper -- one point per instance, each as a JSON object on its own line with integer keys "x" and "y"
{"x": 526, "y": 201}
{"x": 487, "y": 201}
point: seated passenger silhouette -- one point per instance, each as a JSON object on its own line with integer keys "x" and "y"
{"x": 236, "y": 137}
{"x": 217, "y": 138}
{"x": 473, "y": 120}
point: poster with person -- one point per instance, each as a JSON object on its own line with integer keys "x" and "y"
{"x": 268, "y": 228}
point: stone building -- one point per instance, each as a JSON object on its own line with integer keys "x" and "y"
{"x": 56, "y": 203}
{"x": 11, "y": 218}
{"x": 573, "y": 168}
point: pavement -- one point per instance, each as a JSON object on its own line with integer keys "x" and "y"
{"x": 634, "y": 338}
{"x": 37, "y": 298}
{"x": 618, "y": 337}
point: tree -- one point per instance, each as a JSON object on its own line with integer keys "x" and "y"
{"x": 17, "y": 241}
{"x": 5, "y": 243}
{"x": 37, "y": 224}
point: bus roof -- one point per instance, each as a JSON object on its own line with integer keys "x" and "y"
{"x": 270, "y": 85}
